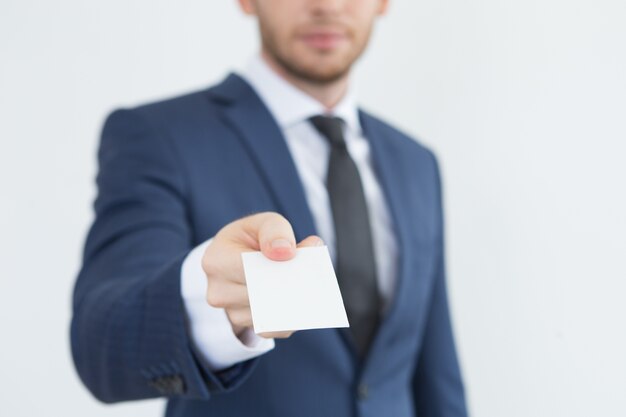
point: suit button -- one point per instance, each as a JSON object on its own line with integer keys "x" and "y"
{"x": 177, "y": 385}
{"x": 362, "y": 391}
{"x": 168, "y": 385}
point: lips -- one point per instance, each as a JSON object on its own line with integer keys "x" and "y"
{"x": 323, "y": 40}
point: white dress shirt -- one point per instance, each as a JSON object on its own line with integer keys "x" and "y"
{"x": 210, "y": 329}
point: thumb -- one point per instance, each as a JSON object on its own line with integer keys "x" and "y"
{"x": 274, "y": 234}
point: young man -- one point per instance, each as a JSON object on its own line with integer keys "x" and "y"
{"x": 161, "y": 306}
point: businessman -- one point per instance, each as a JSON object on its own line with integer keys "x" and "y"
{"x": 271, "y": 159}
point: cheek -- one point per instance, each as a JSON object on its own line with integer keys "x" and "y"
{"x": 362, "y": 33}
{"x": 363, "y": 17}
{"x": 274, "y": 22}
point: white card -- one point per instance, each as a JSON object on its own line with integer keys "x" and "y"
{"x": 301, "y": 293}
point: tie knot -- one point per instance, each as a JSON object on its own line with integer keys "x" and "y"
{"x": 331, "y": 128}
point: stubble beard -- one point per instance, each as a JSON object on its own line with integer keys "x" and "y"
{"x": 306, "y": 72}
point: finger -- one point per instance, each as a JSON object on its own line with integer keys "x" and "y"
{"x": 240, "y": 317}
{"x": 311, "y": 241}
{"x": 220, "y": 263}
{"x": 274, "y": 234}
{"x": 276, "y": 335}
{"x": 226, "y": 294}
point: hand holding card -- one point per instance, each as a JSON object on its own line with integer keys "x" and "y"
{"x": 222, "y": 263}
{"x": 297, "y": 294}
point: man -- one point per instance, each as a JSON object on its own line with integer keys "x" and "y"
{"x": 277, "y": 155}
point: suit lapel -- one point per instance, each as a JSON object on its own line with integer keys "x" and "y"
{"x": 393, "y": 181}
{"x": 248, "y": 116}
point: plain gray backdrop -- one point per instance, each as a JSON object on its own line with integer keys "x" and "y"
{"x": 523, "y": 101}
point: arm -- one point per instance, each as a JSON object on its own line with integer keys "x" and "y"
{"x": 128, "y": 332}
{"x": 437, "y": 383}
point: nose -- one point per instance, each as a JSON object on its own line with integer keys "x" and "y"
{"x": 326, "y": 7}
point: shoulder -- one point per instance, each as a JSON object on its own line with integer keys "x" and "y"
{"x": 167, "y": 113}
{"x": 193, "y": 109}
{"x": 179, "y": 123}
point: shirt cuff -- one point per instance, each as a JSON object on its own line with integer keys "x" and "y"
{"x": 210, "y": 330}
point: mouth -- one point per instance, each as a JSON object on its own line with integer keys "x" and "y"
{"x": 323, "y": 40}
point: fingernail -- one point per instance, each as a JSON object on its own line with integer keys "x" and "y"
{"x": 320, "y": 242}
{"x": 280, "y": 243}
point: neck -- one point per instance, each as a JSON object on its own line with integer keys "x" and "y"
{"x": 329, "y": 94}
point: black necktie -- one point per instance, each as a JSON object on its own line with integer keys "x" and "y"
{"x": 356, "y": 267}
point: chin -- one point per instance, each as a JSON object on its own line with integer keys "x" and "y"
{"x": 320, "y": 74}
{"x": 321, "y": 69}
{"x": 329, "y": 76}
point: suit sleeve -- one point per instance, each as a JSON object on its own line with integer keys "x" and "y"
{"x": 437, "y": 383}
{"x": 129, "y": 333}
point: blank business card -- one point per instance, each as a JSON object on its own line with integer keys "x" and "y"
{"x": 301, "y": 293}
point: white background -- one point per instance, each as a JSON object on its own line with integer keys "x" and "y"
{"x": 524, "y": 102}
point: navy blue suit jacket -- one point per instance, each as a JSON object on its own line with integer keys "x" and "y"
{"x": 171, "y": 174}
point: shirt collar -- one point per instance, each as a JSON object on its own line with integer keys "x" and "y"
{"x": 288, "y": 104}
